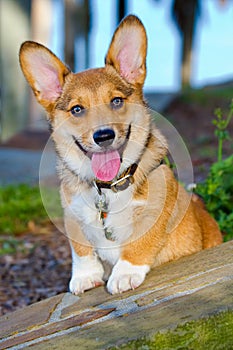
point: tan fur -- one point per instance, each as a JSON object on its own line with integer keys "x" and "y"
{"x": 167, "y": 222}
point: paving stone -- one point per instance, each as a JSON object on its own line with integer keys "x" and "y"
{"x": 189, "y": 266}
{"x": 167, "y": 315}
{"x": 56, "y": 327}
{"x": 192, "y": 283}
{"x": 164, "y": 276}
{"x": 29, "y": 317}
{"x": 94, "y": 297}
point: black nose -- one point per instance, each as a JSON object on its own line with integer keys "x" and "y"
{"x": 104, "y": 137}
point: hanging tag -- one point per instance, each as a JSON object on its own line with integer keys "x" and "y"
{"x": 101, "y": 203}
{"x": 109, "y": 234}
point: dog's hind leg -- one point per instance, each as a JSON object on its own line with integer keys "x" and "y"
{"x": 211, "y": 235}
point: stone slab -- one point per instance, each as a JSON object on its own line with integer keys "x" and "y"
{"x": 55, "y": 327}
{"x": 162, "y": 277}
{"x": 29, "y": 317}
{"x": 162, "y": 317}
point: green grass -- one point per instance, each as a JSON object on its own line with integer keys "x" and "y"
{"x": 19, "y": 205}
{"x": 21, "y": 209}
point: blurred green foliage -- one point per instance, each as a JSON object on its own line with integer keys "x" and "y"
{"x": 20, "y": 204}
{"x": 217, "y": 189}
{"x": 217, "y": 193}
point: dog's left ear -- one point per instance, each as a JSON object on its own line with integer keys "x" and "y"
{"x": 127, "y": 51}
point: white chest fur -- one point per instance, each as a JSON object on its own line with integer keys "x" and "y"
{"x": 119, "y": 220}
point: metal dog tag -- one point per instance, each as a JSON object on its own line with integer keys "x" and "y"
{"x": 109, "y": 234}
{"x": 101, "y": 203}
{"x": 102, "y": 206}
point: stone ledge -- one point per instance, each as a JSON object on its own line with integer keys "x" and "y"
{"x": 192, "y": 288}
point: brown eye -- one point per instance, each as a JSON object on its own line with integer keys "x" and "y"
{"x": 117, "y": 102}
{"x": 77, "y": 111}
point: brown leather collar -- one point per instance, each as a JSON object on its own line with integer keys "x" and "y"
{"x": 120, "y": 183}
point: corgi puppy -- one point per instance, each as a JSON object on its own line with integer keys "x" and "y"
{"x": 124, "y": 211}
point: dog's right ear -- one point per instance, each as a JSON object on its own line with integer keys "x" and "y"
{"x": 44, "y": 72}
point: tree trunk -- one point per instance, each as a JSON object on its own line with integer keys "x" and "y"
{"x": 121, "y": 10}
{"x": 187, "y": 49}
{"x": 77, "y": 25}
{"x": 185, "y": 15}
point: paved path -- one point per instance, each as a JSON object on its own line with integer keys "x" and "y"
{"x": 22, "y": 166}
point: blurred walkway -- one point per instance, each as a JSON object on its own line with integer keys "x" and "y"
{"x": 20, "y": 156}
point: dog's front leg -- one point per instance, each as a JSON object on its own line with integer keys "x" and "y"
{"x": 87, "y": 270}
{"x": 126, "y": 276}
{"x": 135, "y": 262}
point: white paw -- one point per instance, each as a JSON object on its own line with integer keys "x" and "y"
{"x": 87, "y": 273}
{"x": 79, "y": 284}
{"x": 126, "y": 276}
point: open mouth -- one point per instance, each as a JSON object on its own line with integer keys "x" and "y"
{"x": 105, "y": 164}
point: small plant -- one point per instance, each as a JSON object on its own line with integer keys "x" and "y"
{"x": 221, "y": 131}
{"x": 217, "y": 189}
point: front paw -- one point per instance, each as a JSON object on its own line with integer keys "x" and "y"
{"x": 126, "y": 276}
{"x": 87, "y": 273}
{"x": 78, "y": 285}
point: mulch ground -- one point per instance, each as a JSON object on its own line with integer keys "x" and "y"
{"x": 41, "y": 267}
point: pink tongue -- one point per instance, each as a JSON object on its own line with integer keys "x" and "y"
{"x": 106, "y": 165}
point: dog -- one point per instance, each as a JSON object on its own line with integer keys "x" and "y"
{"x": 124, "y": 210}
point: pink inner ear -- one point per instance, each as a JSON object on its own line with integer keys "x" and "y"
{"x": 50, "y": 86}
{"x": 129, "y": 66}
{"x": 46, "y": 78}
{"x": 129, "y": 58}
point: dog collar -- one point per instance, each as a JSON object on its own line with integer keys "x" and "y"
{"x": 120, "y": 184}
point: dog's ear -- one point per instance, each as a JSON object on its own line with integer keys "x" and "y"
{"x": 44, "y": 72}
{"x": 127, "y": 51}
